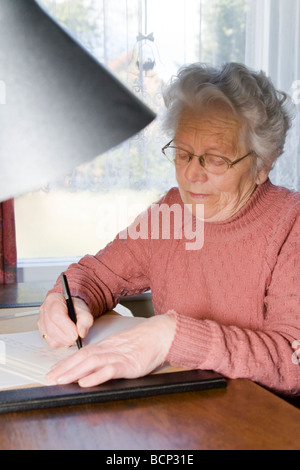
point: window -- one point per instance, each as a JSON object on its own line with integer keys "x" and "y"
{"x": 143, "y": 42}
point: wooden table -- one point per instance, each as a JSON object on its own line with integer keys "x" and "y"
{"x": 242, "y": 416}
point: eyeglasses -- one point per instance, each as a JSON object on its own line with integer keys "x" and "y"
{"x": 212, "y": 163}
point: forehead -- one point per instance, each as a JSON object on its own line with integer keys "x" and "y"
{"x": 214, "y": 125}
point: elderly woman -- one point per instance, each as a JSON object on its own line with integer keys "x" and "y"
{"x": 232, "y": 306}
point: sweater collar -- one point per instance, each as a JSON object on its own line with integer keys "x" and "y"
{"x": 260, "y": 207}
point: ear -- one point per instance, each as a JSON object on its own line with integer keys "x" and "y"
{"x": 262, "y": 177}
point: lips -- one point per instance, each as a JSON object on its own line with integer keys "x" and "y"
{"x": 198, "y": 196}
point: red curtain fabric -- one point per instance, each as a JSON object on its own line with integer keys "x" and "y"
{"x": 8, "y": 249}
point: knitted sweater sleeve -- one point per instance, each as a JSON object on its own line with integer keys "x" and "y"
{"x": 269, "y": 355}
{"x": 119, "y": 270}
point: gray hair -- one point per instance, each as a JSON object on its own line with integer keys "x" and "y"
{"x": 264, "y": 111}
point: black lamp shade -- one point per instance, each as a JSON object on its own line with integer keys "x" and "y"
{"x": 61, "y": 107}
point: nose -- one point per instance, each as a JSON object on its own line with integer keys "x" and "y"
{"x": 195, "y": 172}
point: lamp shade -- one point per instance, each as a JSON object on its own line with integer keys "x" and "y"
{"x": 59, "y": 106}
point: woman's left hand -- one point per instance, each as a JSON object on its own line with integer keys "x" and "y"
{"x": 130, "y": 354}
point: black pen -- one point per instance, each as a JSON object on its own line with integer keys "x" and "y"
{"x": 71, "y": 310}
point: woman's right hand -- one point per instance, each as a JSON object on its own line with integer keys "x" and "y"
{"x": 55, "y": 325}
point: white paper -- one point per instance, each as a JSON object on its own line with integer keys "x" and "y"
{"x": 8, "y": 380}
{"x": 28, "y": 358}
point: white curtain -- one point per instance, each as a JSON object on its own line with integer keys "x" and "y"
{"x": 273, "y": 45}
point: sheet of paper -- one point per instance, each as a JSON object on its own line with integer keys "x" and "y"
{"x": 12, "y": 381}
{"x": 28, "y": 358}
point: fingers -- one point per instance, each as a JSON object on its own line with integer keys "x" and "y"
{"x": 87, "y": 367}
{"x": 54, "y": 321}
{"x": 101, "y": 376}
{"x": 85, "y": 319}
{"x": 129, "y": 354}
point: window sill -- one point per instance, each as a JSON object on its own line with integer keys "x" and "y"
{"x": 32, "y": 294}
{"x": 42, "y": 269}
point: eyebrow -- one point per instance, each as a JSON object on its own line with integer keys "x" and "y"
{"x": 213, "y": 149}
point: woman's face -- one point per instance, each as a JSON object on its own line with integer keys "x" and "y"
{"x": 216, "y": 131}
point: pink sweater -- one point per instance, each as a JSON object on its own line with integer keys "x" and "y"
{"x": 237, "y": 300}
